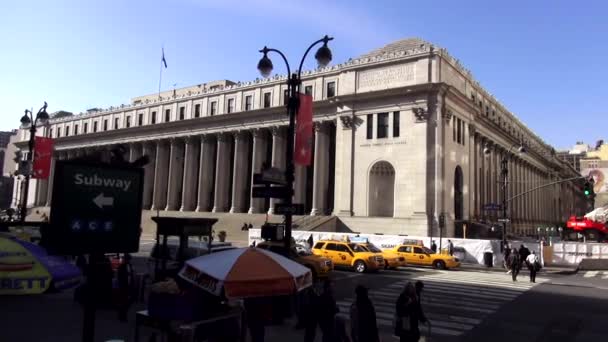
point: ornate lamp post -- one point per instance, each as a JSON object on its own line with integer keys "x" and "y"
{"x": 31, "y": 122}
{"x": 323, "y": 57}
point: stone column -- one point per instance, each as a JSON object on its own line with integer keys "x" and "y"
{"x": 472, "y": 181}
{"x": 259, "y": 158}
{"x": 49, "y": 191}
{"x": 278, "y": 157}
{"x": 161, "y": 172}
{"x": 150, "y": 151}
{"x": 135, "y": 151}
{"x": 189, "y": 185}
{"x": 483, "y": 181}
{"x": 321, "y": 171}
{"x": 222, "y": 172}
{"x": 41, "y": 193}
{"x": 205, "y": 173}
{"x": 240, "y": 176}
{"x": 176, "y": 174}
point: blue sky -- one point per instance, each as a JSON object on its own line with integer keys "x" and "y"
{"x": 543, "y": 59}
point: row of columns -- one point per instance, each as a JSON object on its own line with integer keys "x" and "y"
{"x": 214, "y": 172}
{"x": 527, "y": 210}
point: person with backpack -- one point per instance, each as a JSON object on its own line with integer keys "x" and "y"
{"x": 363, "y": 317}
{"x": 408, "y": 313}
{"x": 533, "y": 264}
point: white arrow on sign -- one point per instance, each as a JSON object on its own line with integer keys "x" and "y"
{"x": 102, "y": 201}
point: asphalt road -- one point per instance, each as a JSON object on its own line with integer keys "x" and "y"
{"x": 473, "y": 305}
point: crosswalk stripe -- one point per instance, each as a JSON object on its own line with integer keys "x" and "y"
{"x": 590, "y": 274}
{"x": 524, "y": 286}
{"x": 444, "y": 299}
{"x": 467, "y": 290}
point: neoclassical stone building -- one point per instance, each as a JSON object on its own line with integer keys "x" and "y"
{"x": 403, "y": 134}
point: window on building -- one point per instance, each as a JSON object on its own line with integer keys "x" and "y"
{"x": 308, "y": 90}
{"x": 95, "y": 127}
{"x": 51, "y": 132}
{"x": 458, "y": 131}
{"x": 85, "y": 128}
{"x": 396, "y": 126}
{"x": 140, "y": 119}
{"x": 116, "y": 123}
{"x": 213, "y": 108}
{"x": 331, "y": 89}
{"x": 197, "y": 110}
{"x": 382, "y": 129}
{"x": 76, "y": 129}
{"x": 488, "y": 111}
{"x": 454, "y": 124}
{"x": 285, "y": 96}
{"x": 370, "y": 126}
{"x": 182, "y": 113}
{"x": 67, "y": 131}
{"x": 105, "y": 125}
{"x": 230, "y": 106}
{"x": 267, "y": 100}
{"x": 128, "y": 122}
{"x": 167, "y": 115}
{"x": 58, "y": 132}
{"x": 153, "y": 118}
{"x": 248, "y": 102}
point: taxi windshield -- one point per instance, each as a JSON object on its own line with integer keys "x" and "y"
{"x": 357, "y": 248}
{"x": 372, "y": 248}
{"x": 427, "y": 250}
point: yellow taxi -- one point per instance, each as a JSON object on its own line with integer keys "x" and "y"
{"x": 318, "y": 265}
{"x": 391, "y": 258}
{"x": 349, "y": 254}
{"x": 417, "y": 254}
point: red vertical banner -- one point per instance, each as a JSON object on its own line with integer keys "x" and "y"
{"x": 43, "y": 151}
{"x": 304, "y": 134}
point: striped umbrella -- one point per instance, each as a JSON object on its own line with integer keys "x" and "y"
{"x": 246, "y": 273}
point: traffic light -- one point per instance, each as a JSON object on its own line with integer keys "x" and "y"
{"x": 588, "y": 188}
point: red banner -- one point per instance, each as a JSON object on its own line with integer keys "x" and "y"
{"x": 43, "y": 151}
{"x": 303, "y": 152}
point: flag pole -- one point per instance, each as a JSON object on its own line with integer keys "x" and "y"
{"x": 160, "y": 77}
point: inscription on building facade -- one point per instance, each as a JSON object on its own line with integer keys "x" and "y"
{"x": 387, "y": 77}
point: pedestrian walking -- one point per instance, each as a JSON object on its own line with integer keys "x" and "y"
{"x": 533, "y": 265}
{"x": 506, "y": 254}
{"x": 310, "y": 309}
{"x": 327, "y": 312}
{"x": 434, "y": 247}
{"x": 408, "y": 313}
{"x": 249, "y": 226}
{"x": 514, "y": 264}
{"x": 126, "y": 280}
{"x": 363, "y": 317}
{"x": 450, "y": 248}
{"x": 258, "y": 311}
{"x": 244, "y": 226}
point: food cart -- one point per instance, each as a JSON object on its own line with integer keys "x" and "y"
{"x": 183, "y": 228}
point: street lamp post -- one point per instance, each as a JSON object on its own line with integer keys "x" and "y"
{"x": 504, "y": 171}
{"x": 28, "y": 119}
{"x": 323, "y": 57}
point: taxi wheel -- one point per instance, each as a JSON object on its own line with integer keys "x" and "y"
{"x": 360, "y": 266}
{"x": 439, "y": 264}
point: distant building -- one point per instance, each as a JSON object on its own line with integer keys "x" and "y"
{"x": 574, "y": 155}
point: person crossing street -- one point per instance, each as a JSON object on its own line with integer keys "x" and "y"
{"x": 533, "y": 264}
{"x": 514, "y": 263}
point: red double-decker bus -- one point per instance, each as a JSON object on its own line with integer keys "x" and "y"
{"x": 592, "y": 230}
